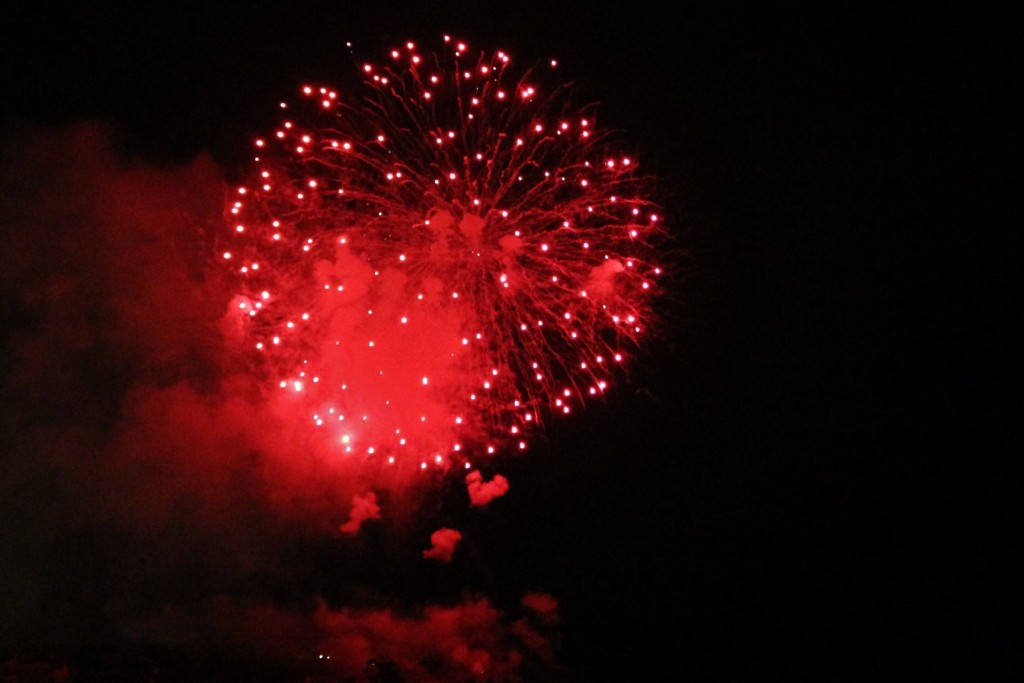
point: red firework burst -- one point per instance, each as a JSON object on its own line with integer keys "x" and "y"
{"x": 429, "y": 268}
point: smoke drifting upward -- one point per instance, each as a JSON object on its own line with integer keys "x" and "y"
{"x": 363, "y": 508}
{"x": 468, "y": 640}
{"x": 483, "y": 492}
{"x": 442, "y": 544}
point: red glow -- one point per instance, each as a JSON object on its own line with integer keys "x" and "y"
{"x": 445, "y": 277}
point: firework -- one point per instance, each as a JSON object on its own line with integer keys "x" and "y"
{"x": 429, "y": 267}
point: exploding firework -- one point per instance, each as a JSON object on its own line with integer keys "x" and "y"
{"x": 430, "y": 267}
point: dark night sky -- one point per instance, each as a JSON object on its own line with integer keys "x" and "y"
{"x": 792, "y": 485}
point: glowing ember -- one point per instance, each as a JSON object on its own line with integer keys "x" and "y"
{"x": 430, "y": 267}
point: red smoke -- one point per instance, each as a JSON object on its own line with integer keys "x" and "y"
{"x": 483, "y": 492}
{"x": 469, "y": 641}
{"x": 442, "y": 544}
{"x": 153, "y": 491}
{"x": 363, "y": 508}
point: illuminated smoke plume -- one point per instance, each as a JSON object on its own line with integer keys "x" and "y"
{"x": 483, "y": 492}
{"x": 442, "y": 544}
{"x": 154, "y": 497}
{"x": 363, "y": 508}
{"x": 430, "y": 266}
{"x": 468, "y": 641}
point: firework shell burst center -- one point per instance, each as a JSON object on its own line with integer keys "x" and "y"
{"x": 429, "y": 268}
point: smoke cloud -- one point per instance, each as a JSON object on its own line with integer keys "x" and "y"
{"x": 151, "y": 487}
{"x": 483, "y": 492}
{"x": 363, "y": 508}
{"x": 442, "y": 544}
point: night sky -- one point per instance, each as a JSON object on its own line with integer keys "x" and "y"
{"x": 789, "y": 484}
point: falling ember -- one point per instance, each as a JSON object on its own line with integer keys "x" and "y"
{"x": 428, "y": 267}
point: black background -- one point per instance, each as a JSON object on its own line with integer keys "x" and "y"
{"x": 797, "y": 482}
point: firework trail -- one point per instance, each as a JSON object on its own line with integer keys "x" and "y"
{"x": 428, "y": 269}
